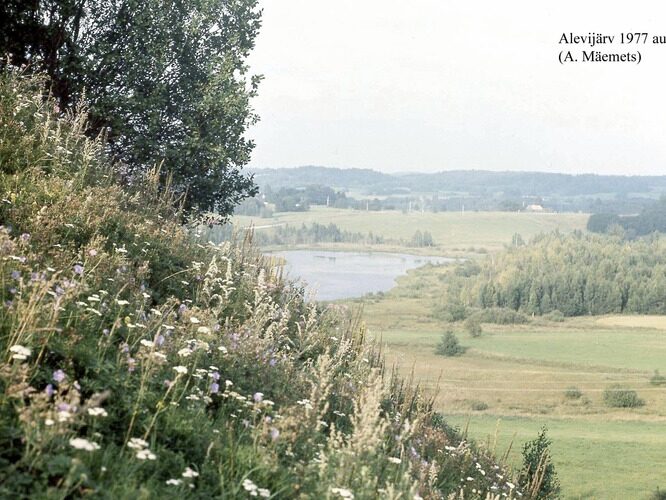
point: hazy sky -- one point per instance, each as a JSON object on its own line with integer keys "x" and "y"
{"x": 427, "y": 85}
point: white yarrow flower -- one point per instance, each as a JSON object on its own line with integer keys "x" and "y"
{"x": 137, "y": 444}
{"x": 83, "y": 444}
{"x": 97, "y": 412}
{"x": 20, "y": 352}
{"x": 190, "y": 473}
{"x": 343, "y": 492}
{"x": 394, "y": 460}
{"x": 145, "y": 455}
{"x": 181, "y": 370}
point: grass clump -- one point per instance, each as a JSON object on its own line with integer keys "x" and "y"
{"x": 449, "y": 345}
{"x": 573, "y": 393}
{"x": 477, "y": 405}
{"x": 139, "y": 360}
{"x": 617, "y": 396}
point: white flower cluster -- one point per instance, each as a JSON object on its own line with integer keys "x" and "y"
{"x": 143, "y": 453}
{"x": 254, "y": 490}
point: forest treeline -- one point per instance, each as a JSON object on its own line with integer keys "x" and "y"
{"x": 315, "y": 233}
{"x": 296, "y": 189}
{"x": 574, "y": 274}
{"x": 651, "y": 219}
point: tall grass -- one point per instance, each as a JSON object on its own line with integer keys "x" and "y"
{"x": 138, "y": 360}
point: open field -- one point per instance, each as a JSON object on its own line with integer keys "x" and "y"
{"x": 451, "y": 231}
{"x": 521, "y": 373}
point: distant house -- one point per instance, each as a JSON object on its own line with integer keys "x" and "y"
{"x": 534, "y": 208}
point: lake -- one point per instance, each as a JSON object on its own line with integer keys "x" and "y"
{"x": 343, "y": 275}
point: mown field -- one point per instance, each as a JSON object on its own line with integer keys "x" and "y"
{"x": 452, "y": 232}
{"x": 519, "y": 374}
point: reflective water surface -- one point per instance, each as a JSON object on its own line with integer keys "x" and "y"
{"x": 341, "y": 275}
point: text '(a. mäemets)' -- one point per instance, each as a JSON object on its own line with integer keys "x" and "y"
{"x": 602, "y": 47}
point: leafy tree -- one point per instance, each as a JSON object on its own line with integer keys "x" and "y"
{"x": 449, "y": 345}
{"x": 164, "y": 81}
{"x": 538, "y": 476}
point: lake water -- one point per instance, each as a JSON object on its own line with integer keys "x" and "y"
{"x": 342, "y": 275}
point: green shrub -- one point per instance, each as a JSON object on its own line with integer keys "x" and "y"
{"x": 537, "y": 475}
{"x": 617, "y": 396}
{"x": 657, "y": 379}
{"x": 452, "y": 313}
{"x": 478, "y": 405}
{"x": 573, "y": 393}
{"x": 473, "y": 327}
{"x": 449, "y": 345}
{"x": 555, "y": 315}
{"x": 500, "y": 316}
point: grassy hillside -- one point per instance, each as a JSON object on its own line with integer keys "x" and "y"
{"x": 452, "y": 232}
{"x": 140, "y": 361}
{"x": 515, "y": 378}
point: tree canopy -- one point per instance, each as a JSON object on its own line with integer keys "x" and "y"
{"x": 575, "y": 274}
{"x": 166, "y": 82}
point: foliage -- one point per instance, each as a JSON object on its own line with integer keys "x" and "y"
{"x": 573, "y": 393}
{"x": 617, "y": 396}
{"x": 652, "y": 218}
{"x": 165, "y": 83}
{"x": 479, "y": 405}
{"x": 422, "y": 239}
{"x": 657, "y": 379}
{"x": 449, "y": 345}
{"x": 538, "y": 473}
{"x": 473, "y": 327}
{"x": 658, "y": 495}
{"x": 499, "y": 316}
{"x": 139, "y": 361}
{"x": 575, "y": 274}
{"x": 555, "y": 315}
{"x": 310, "y": 234}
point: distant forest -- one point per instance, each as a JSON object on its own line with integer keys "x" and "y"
{"x": 296, "y": 189}
{"x": 651, "y": 219}
{"x": 573, "y": 275}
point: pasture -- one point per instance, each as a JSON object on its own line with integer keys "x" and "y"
{"x": 518, "y": 375}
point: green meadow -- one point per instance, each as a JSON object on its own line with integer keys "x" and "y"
{"x": 512, "y": 380}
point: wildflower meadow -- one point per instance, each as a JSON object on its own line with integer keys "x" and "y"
{"x": 141, "y": 361}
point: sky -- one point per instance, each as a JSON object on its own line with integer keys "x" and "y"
{"x": 431, "y": 85}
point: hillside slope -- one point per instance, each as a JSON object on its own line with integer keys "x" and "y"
{"x": 141, "y": 362}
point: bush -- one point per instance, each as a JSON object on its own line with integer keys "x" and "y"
{"x": 555, "y": 315}
{"x": 479, "y": 405}
{"x": 657, "y": 379}
{"x": 500, "y": 316}
{"x": 452, "y": 313}
{"x": 573, "y": 393}
{"x": 617, "y": 396}
{"x": 473, "y": 327}
{"x": 449, "y": 345}
{"x": 538, "y": 476}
